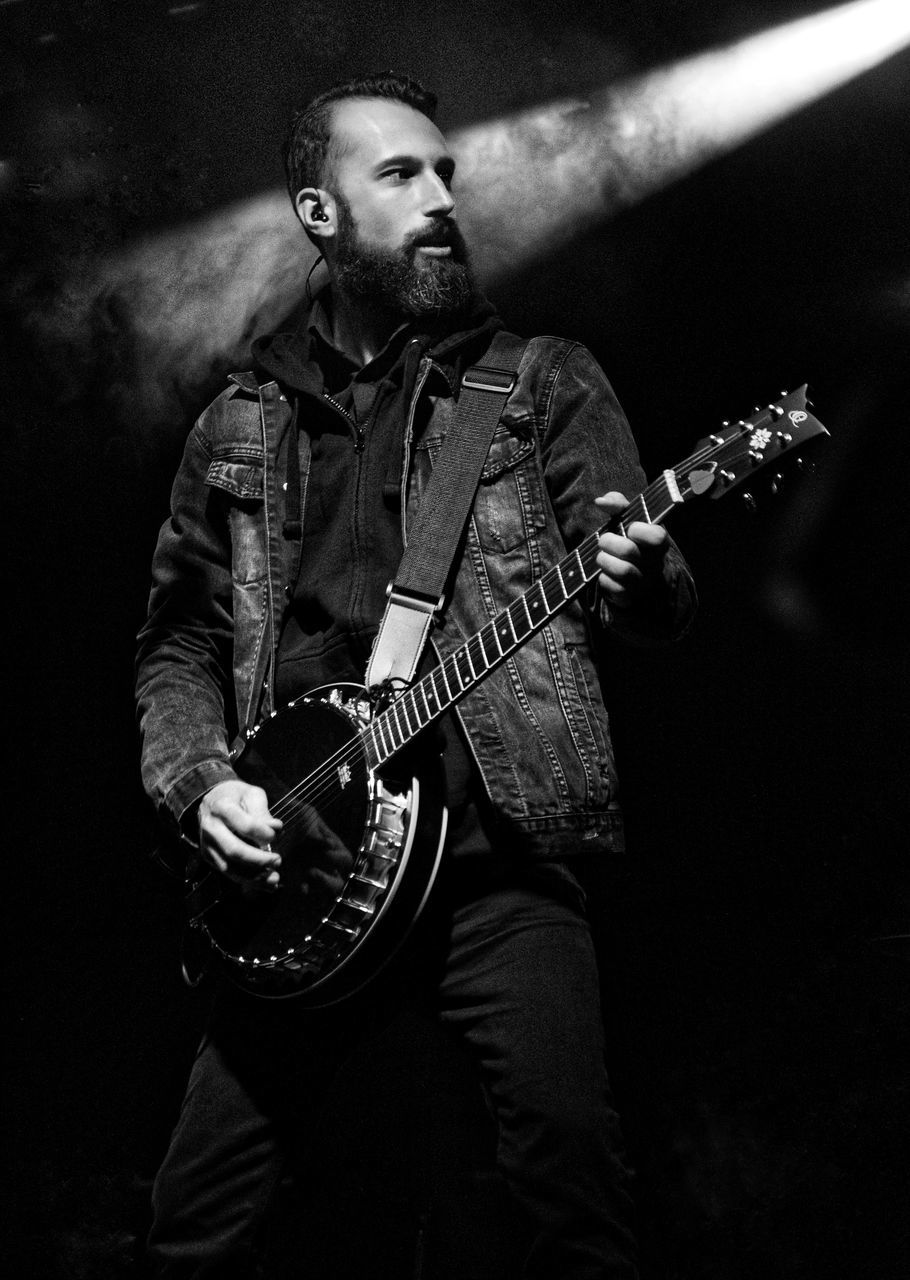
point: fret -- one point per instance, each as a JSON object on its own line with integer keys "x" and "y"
{"x": 536, "y": 602}
{"x": 428, "y": 715}
{"x": 551, "y": 586}
{"x": 467, "y": 654}
{"x": 431, "y": 687}
{"x": 590, "y": 548}
{"x": 489, "y": 634}
{"x": 393, "y": 717}
{"x": 454, "y": 667}
{"x": 469, "y": 664}
{"x": 515, "y": 622}
{"x": 450, "y": 666}
{"x": 478, "y": 655}
{"x": 404, "y": 704}
{"x": 380, "y": 724}
{"x": 465, "y": 680}
{"x": 571, "y": 571}
{"x": 507, "y": 617}
{"x": 499, "y": 638}
{"x": 524, "y": 601}
{"x": 445, "y": 681}
{"x": 653, "y": 496}
{"x": 663, "y": 495}
{"x": 388, "y": 734}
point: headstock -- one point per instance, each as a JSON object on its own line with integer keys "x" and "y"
{"x": 731, "y": 457}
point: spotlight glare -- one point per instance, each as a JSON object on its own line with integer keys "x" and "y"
{"x": 192, "y": 298}
{"x": 546, "y": 174}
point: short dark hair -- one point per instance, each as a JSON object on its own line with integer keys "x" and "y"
{"x": 309, "y": 137}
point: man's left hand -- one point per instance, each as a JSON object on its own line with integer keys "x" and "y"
{"x": 631, "y": 564}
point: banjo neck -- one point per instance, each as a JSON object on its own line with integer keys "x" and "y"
{"x": 418, "y": 706}
{"x": 721, "y": 463}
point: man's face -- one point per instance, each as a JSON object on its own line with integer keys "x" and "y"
{"x": 397, "y": 242}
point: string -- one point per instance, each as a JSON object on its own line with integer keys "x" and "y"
{"x": 291, "y": 807}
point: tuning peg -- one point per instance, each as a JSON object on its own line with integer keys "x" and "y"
{"x": 784, "y": 438}
{"x": 776, "y": 484}
{"x": 750, "y": 503}
{"x": 776, "y": 410}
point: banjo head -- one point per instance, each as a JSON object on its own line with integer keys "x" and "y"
{"x": 349, "y": 834}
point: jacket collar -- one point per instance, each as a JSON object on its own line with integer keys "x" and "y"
{"x": 451, "y": 350}
{"x": 246, "y": 380}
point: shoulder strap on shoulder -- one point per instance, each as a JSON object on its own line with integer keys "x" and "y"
{"x": 415, "y": 596}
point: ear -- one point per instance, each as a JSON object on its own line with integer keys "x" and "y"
{"x": 316, "y": 210}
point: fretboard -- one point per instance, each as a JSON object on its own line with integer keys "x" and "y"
{"x": 720, "y": 464}
{"x": 432, "y": 695}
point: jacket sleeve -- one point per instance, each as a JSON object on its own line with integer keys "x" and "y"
{"x": 588, "y": 450}
{"x": 184, "y": 686}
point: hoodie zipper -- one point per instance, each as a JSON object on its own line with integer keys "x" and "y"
{"x": 359, "y": 432}
{"x": 360, "y": 437}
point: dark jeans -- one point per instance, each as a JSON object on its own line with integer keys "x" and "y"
{"x": 511, "y": 969}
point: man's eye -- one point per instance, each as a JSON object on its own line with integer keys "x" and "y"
{"x": 447, "y": 176}
{"x": 398, "y": 175}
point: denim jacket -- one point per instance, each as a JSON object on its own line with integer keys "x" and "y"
{"x": 222, "y": 573}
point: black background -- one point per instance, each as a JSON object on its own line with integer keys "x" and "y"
{"x": 756, "y": 986}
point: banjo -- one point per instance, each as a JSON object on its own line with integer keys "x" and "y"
{"x": 363, "y": 815}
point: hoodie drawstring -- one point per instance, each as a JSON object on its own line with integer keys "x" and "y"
{"x": 292, "y": 527}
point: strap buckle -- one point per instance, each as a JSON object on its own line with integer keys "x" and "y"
{"x": 483, "y": 378}
{"x": 413, "y": 599}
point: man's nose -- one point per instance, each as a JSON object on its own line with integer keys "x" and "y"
{"x": 438, "y": 200}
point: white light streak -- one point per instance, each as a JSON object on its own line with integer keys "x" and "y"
{"x": 553, "y": 171}
{"x": 195, "y": 297}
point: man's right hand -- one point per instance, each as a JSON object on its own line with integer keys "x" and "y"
{"x": 235, "y": 830}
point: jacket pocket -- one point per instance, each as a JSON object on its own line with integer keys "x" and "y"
{"x": 509, "y": 504}
{"x": 239, "y": 482}
{"x": 241, "y": 478}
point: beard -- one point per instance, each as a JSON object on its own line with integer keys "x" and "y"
{"x": 393, "y": 280}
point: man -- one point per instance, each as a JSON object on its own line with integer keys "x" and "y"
{"x": 269, "y": 580}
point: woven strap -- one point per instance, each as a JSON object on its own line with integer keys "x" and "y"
{"x": 416, "y": 595}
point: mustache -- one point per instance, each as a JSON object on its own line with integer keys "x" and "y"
{"x": 441, "y": 233}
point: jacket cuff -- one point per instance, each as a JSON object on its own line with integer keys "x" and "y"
{"x": 183, "y": 798}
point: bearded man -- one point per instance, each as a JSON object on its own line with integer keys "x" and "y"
{"x": 297, "y": 493}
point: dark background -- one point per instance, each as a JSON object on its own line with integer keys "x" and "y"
{"x": 754, "y": 970}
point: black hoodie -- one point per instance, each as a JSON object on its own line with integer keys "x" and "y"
{"x": 352, "y": 544}
{"x": 355, "y": 420}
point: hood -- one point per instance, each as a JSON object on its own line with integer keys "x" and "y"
{"x": 454, "y": 342}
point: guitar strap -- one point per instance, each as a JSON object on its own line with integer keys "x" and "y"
{"x": 415, "y": 597}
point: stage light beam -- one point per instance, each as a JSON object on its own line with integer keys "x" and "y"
{"x": 541, "y": 176}
{"x": 193, "y": 298}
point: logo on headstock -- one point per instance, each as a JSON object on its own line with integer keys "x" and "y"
{"x": 760, "y": 439}
{"x": 797, "y": 416}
